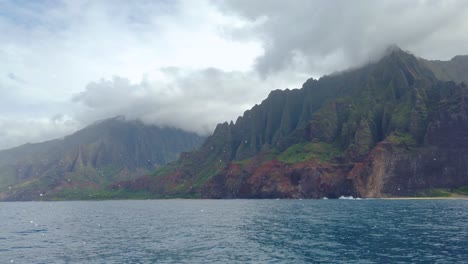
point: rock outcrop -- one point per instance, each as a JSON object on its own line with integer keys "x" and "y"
{"x": 391, "y": 128}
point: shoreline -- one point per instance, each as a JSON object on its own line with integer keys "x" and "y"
{"x": 426, "y": 198}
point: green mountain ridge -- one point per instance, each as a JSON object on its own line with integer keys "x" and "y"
{"x": 452, "y": 70}
{"x": 395, "y": 127}
{"x": 391, "y": 128}
{"x": 89, "y": 160}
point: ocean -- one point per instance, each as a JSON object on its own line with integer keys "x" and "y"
{"x": 235, "y": 231}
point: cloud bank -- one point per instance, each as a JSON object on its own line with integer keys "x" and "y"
{"x": 192, "y": 64}
{"x": 193, "y": 100}
{"x": 323, "y": 36}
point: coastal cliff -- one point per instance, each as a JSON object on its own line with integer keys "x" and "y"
{"x": 81, "y": 165}
{"x": 394, "y": 127}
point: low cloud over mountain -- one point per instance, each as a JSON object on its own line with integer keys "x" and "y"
{"x": 192, "y": 65}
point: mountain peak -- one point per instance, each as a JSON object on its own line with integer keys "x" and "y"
{"x": 397, "y": 60}
{"x": 395, "y": 50}
{"x": 108, "y": 151}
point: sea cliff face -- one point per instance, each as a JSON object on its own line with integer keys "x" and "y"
{"x": 390, "y": 128}
{"x": 441, "y": 161}
{"x": 395, "y": 127}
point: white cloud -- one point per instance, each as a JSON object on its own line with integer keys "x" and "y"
{"x": 322, "y": 36}
{"x": 16, "y": 132}
{"x": 194, "y": 100}
{"x": 53, "y": 49}
{"x": 192, "y": 64}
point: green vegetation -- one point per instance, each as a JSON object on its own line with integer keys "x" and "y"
{"x": 206, "y": 174}
{"x": 265, "y": 156}
{"x": 401, "y": 116}
{"x": 99, "y": 194}
{"x": 444, "y": 192}
{"x": 452, "y": 70}
{"x": 436, "y": 192}
{"x": 363, "y": 138}
{"x": 402, "y": 138}
{"x": 7, "y": 177}
{"x": 324, "y": 125}
{"x": 116, "y": 194}
{"x": 109, "y": 151}
{"x": 309, "y": 151}
{"x": 243, "y": 163}
{"x": 165, "y": 170}
{"x": 461, "y": 190}
{"x": 339, "y": 118}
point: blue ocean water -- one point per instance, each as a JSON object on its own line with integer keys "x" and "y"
{"x": 235, "y": 231}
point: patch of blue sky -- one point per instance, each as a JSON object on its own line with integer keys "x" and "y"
{"x": 27, "y": 14}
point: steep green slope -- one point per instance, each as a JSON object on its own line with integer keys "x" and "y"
{"x": 90, "y": 159}
{"x": 452, "y": 70}
{"x": 389, "y": 128}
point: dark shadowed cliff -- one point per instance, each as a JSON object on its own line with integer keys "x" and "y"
{"x": 395, "y": 127}
{"x": 78, "y": 165}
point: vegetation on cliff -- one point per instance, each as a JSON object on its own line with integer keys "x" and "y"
{"x": 81, "y": 165}
{"x": 375, "y": 131}
{"x": 395, "y": 127}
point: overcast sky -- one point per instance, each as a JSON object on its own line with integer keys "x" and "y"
{"x": 192, "y": 64}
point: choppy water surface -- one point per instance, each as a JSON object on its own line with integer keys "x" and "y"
{"x": 230, "y": 231}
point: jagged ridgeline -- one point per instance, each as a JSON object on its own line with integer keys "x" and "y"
{"x": 81, "y": 165}
{"x": 395, "y": 127}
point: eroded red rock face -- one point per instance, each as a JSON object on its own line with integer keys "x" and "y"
{"x": 275, "y": 179}
{"x": 398, "y": 127}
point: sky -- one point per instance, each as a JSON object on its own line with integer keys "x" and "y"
{"x": 192, "y": 64}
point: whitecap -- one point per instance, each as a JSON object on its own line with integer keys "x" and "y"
{"x": 346, "y": 197}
